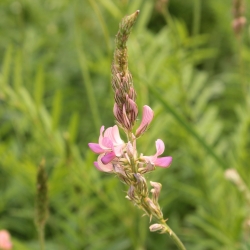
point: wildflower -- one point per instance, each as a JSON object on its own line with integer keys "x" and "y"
{"x": 109, "y": 147}
{"x": 163, "y": 162}
{"x": 122, "y": 158}
{"x": 5, "y": 241}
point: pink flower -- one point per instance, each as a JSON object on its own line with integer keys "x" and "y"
{"x": 147, "y": 117}
{"x": 163, "y": 162}
{"x": 5, "y": 241}
{"x": 109, "y": 147}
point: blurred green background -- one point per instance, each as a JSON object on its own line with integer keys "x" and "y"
{"x": 55, "y": 93}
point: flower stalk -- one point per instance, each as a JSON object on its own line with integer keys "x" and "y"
{"x": 122, "y": 158}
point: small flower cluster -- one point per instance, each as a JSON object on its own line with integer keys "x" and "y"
{"x": 122, "y": 158}
{"x": 113, "y": 151}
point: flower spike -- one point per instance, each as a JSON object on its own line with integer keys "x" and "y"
{"x": 121, "y": 158}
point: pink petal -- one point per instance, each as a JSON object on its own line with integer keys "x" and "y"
{"x": 163, "y": 162}
{"x": 118, "y": 150}
{"x": 113, "y": 134}
{"x": 107, "y": 143}
{"x": 160, "y": 147}
{"x": 150, "y": 159}
{"x": 101, "y": 136}
{"x": 116, "y": 136}
{"x": 103, "y": 168}
{"x": 96, "y": 148}
{"x": 108, "y": 133}
{"x": 147, "y": 117}
{"x": 107, "y": 158}
{"x": 5, "y": 240}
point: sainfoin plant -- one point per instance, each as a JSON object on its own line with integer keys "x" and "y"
{"x": 122, "y": 158}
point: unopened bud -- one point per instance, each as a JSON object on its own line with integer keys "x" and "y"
{"x": 125, "y": 109}
{"x": 155, "y": 191}
{"x": 157, "y": 227}
{"x": 145, "y": 167}
{"x": 132, "y": 195}
{"x": 118, "y": 169}
{"x": 154, "y": 209}
{"x": 141, "y": 184}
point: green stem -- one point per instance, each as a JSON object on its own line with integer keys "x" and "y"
{"x": 41, "y": 237}
{"x": 175, "y": 238}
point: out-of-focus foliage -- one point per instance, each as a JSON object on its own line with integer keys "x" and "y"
{"x": 55, "y": 93}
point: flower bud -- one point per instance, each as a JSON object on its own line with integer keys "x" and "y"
{"x": 157, "y": 227}
{"x": 141, "y": 184}
{"x": 132, "y": 195}
{"x": 153, "y": 208}
{"x": 119, "y": 170}
{"x": 146, "y": 167}
{"x": 155, "y": 191}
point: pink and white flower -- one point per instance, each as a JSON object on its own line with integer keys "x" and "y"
{"x": 5, "y": 240}
{"x": 163, "y": 162}
{"x": 109, "y": 147}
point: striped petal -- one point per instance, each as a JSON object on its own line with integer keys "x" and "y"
{"x": 147, "y": 117}
{"x": 160, "y": 147}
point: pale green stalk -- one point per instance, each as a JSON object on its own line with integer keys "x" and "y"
{"x": 41, "y": 238}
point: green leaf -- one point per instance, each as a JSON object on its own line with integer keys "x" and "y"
{"x": 73, "y": 127}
